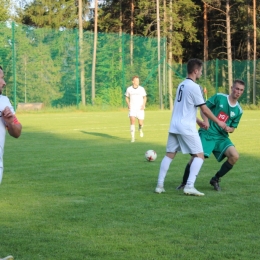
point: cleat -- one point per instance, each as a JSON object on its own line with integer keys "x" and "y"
{"x": 188, "y": 190}
{"x": 141, "y": 133}
{"x": 159, "y": 189}
{"x": 181, "y": 186}
{"x": 215, "y": 183}
{"x": 132, "y": 140}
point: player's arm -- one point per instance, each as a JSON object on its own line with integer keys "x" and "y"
{"x": 14, "y": 127}
{"x": 127, "y": 101}
{"x": 144, "y": 102}
{"x": 205, "y": 121}
{"x": 207, "y": 112}
{"x": 201, "y": 123}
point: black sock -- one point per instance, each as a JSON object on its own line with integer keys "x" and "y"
{"x": 226, "y": 166}
{"x": 186, "y": 174}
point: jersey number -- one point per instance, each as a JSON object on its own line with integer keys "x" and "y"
{"x": 180, "y": 93}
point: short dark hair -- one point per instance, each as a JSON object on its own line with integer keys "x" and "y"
{"x": 135, "y": 77}
{"x": 194, "y": 64}
{"x": 239, "y": 81}
{"x": 1, "y": 68}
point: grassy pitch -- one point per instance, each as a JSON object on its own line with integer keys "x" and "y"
{"x": 75, "y": 187}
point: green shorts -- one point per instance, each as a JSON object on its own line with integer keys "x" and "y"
{"x": 214, "y": 144}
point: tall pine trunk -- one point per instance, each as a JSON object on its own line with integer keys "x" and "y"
{"x": 229, "y": 51}
{"x": 93, "y": 88}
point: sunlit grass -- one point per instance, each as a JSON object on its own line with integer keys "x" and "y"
{"x": 74, "y": 187}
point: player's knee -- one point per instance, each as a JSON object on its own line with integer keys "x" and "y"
{"x": 234, "y": 157}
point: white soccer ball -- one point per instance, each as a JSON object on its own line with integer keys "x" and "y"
{"x": 150, "y": 155}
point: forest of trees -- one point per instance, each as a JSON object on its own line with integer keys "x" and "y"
{"x": 209, "y": 30}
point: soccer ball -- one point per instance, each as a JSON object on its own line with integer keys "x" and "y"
{"x": 150, "y": 155}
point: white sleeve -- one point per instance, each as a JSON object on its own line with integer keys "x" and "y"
{"x": 198, "y": 97}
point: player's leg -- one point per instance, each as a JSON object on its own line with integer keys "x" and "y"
{"x": 195, "y": 167}
{"x": 132, "y": 126}
{"x": 140, "y": 117}
{"x": 192, "y": 144}
{"x": 171, "y": 150}
{"x": 185, "y": 175}
{"x": 208, "y": 146}
{"x": 232, "y": 157}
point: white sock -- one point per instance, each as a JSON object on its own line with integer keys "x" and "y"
{"x": 132, "y": 130}
{"x": 165, "y": 164}
{"x": 194, "y": 170}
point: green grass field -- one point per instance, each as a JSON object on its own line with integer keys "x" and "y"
{"x": 75, "y": 187}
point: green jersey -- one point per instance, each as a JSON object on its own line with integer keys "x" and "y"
{"x": 230, "y": 114}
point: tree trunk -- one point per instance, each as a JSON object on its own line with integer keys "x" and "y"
{"x": 82, "y": 68}
{"x": 206, "y": 40}
{"x": 132, "y": 32}
{"x": 93, "y": 88}
{"x": 159, "y": 51}
{"x": 170, "y": 60}
{"x": 229, "y": 52}
{"x": 254, "y": 66}
{"x": 248, "y": 56}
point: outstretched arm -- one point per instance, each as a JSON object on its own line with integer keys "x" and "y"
{"x": 207, "y": 112}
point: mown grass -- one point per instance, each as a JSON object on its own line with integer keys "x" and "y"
{"x": 74, "y": 187}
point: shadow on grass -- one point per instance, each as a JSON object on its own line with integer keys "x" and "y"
{"x": 102, "y": 135}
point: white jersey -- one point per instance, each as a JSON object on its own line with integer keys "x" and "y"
{"x": 188, "y": 98}
{"x": 136, "y": 96}
{"x": 4, "y": 102}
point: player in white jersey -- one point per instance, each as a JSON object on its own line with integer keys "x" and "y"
{"x": 135, "y": 97}
{"x": 8, "y": 121}
{"x": 183, "y": 135}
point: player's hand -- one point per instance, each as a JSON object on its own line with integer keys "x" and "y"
{"x": 7, "y": 115}
{"x": 229, "y": 129}
{"x": 142, "y": 107}
{"x": 222, "y": 124}
{"x": 205, "y": 124}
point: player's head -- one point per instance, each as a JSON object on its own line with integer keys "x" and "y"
{"x": 135, "y": 80}
{"x": 194, "y": 67}
{"x": 237, "y": 88}
{"x": 2, "y": 81}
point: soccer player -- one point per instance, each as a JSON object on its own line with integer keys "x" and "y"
{"x": 216, "y": 140}
{"x": 8, "y": 121}
{"x": 135, "y": 97}
{"x": 183, "y": 135}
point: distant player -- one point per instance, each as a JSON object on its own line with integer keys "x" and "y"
{"x": 8, "y": 121}
{"x": 136, "y": 100}
{"x": 216, "y": 140}
{"x": 183, "y": 135}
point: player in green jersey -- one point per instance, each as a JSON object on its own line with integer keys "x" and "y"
{"x": 215, "y": 139}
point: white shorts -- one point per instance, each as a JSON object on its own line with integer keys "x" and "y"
{"x": 185, "y": 143}
{"x": 139, "y": 114}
